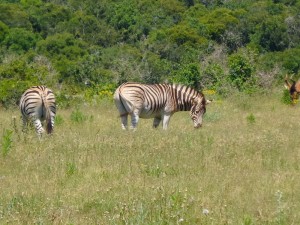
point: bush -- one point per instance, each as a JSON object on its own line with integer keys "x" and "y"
{"x": 11, "y": 91}
{"x": 188, "y": 75}
{"x": 20, "y": 40}
{"x": 213, "y": 76}
{"x": 241, "y": 73}
{"x": 286, "y": 98}
{"x": 272, "y": 34}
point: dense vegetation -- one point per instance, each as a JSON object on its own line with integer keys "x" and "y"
{"x": 88, "y": 47}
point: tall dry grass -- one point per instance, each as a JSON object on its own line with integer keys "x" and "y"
{"x": 241, "y": 167}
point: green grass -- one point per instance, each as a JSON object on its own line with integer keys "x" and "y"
{"x": 241, "y": 167}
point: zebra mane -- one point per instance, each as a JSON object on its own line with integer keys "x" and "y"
{"x": 179, "y": 86}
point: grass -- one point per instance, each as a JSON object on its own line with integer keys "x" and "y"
{"x": 241, "y": 167}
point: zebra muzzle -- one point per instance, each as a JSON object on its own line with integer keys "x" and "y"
{"x": 197, "y": 125}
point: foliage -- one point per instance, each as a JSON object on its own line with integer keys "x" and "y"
{"x": 13, "y": 15}
{"x": 78, "y": 116}
{"x": 251, "y": 118}
{"x": 74, "y": 43}
{"x": 217, "y": 21}
{"x": 189, "y": 75}
{"x": 214, "y": 78}
{"x": 6, "y": 141}
{"x": 272, "y": 34}
{"x": 286, "y": 98}
{"x": 20, "y": 40}
{"x": 3, "y": 31}
{"x": 19, "y": 73}
{"x": 241, "y": 72}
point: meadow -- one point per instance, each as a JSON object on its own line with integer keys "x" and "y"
{"x": 241, "y": 167}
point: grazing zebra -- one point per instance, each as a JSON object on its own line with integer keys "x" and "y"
{"x": 158, "y": 101}
{"x": 38, "y": 104}
{"x": 294, "y": 88}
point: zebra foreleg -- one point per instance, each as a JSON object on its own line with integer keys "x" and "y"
{"x": 166, "y": 120}
{"x": 156, "y": 122}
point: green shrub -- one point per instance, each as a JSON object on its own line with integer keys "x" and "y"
{"x": 286, "y": 98}
{"x": 213, "y": 77}
{"x": 6, "y": 141}
{"x": 20, "y": 40}
{"x": 241, "y": 73}
{"x": 251, "y": 118}
{"x": 71, "y": 169}
{"x": 58, "y": 120}
{"x": 78, "y": 117}
{"x": 189, "y": 75}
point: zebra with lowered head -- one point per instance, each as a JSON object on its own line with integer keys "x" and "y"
{"x": 158, "y": 101}
{"x": 38, "y": 104}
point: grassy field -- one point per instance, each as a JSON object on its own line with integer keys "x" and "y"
{"x": 241, "y": 167}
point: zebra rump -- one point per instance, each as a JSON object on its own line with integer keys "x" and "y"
{"x": 37, "y": 104}
{"x": 158, "y": 101}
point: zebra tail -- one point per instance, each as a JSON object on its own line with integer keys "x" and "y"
{"x": 128, "y": 103}
{"x": 49, "y": 127}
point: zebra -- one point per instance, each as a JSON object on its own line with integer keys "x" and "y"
{"x": 158, "y": 101}
{"x": 38, "y": 104}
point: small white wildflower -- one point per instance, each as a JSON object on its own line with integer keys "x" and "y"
{"x": 180, "y": 220}
{"x": 205, "y": 211}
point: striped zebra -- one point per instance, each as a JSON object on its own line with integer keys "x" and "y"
{"x": 38, "y": 104}
{"x": 158, "y": 101}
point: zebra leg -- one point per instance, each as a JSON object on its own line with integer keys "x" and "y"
{"x": 166, "y": 119}
{"x": 38, "y": 127}
{"x": 24, "y": 124}
{"x": 124, "y": 119}
{"x": 134, "y": 120}
{"x": 156, "y": 122}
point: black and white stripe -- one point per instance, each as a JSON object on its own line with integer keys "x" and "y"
{"x": 38, "y": 104}
{"x": 158, "y": 101}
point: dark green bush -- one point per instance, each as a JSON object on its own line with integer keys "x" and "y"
{"x": 188, "y": 75}
{"x": 286, "y": 98}
{"x": 241, "y": 72}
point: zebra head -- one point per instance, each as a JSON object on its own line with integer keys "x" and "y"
{"x": 294, "y": 88}
{"x": 198, "y": 109}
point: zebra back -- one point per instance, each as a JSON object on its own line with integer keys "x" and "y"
{"x": 156, "y": 96}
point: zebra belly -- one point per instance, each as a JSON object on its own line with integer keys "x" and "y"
{"x": 146, "y": 114}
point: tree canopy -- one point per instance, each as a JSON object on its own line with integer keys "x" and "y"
{"x": 67, "y": 44}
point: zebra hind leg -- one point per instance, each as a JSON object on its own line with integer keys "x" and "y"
{"x": 25, "y": 124}
{"x": 38, "y": 127}
{"x": 134, "y": 120}
{"x": 124, "y": 120}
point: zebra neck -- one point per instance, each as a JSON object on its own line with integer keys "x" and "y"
{"x": 183, "y": 105}
{"x": 182, "y": 99}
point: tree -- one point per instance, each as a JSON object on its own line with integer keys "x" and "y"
{"x": 14, "y": 16}
{"x": 20, "y": 40}
{"x": 3, "y": 31}
{"x": 241, "y": 72}
{"x": 272, "y": 34}
{"x": 188, "y": 75}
